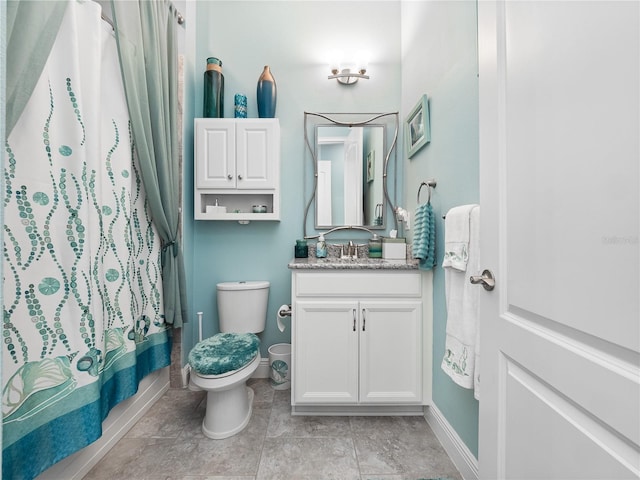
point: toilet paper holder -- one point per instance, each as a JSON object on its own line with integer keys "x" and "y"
{"x": 284, "y": 311}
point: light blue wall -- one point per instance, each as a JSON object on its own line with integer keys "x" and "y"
{"x": 439, "y": 58}
{"x": 293, "y": 38}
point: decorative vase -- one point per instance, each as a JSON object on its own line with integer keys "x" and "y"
{"x": 240, "y": 105}
{"x": 267, "y": 94}
{"x": 213, "y": 89}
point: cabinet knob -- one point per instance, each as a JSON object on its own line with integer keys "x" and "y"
{"x": 239, "y": 177}
{"x": 230, "y": 177}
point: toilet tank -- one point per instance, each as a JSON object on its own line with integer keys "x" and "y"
{"x": 242, "y": 306}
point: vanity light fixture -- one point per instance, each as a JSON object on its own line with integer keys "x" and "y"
{"x": 348, "y": 73}
{"x": 346, "y": 76}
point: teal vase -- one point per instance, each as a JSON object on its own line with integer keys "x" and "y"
{"x": 213, "y": 89}
{"x": 267, "y": 94}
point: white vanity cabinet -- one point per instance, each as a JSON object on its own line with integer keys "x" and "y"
{"x": 356, "y": 338}
{"x": 237, "y": 165}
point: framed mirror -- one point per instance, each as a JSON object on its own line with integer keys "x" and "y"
{"x": 352, "y": 156}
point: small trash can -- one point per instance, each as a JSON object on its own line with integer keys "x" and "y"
{"x": 280, "y": 366}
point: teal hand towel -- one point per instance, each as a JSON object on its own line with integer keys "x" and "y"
{"x": 423, "y": 246}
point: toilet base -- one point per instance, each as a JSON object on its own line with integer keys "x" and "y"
{"x": 228, "y": 411}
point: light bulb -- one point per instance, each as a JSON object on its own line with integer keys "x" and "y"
{"x": 362, "y": 62}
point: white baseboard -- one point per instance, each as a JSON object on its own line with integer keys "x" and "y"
{"x": 460, "y": 455}
{"x": 119, "y": 421}
{"x": 263, "y": 369}
{"x": 359, "y": 410}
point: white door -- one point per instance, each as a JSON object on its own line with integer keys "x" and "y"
{"x": 353, "y": 212}
{"x": 323, "y": 194}
{"x": 390, "y": 351}
{"x": 559, "y": 163}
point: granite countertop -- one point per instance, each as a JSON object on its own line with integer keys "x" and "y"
{"x": 313, "y": 263}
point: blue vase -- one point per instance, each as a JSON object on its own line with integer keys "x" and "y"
{"x": 267, "y": 94}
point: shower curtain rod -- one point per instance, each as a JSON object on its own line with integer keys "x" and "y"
{"x": 179, "y": 17}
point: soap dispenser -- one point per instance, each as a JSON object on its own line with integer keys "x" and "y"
{"x": 301, "y": 249}
{"x": 375, "y": 247}
{"x": 321, "y": 247}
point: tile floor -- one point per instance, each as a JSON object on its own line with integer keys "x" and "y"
{"x": 167, "y": 444}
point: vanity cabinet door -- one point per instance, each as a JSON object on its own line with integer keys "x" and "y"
{"x": 325, "y": 357}
{"x": 390, "y": 351}
{"x": 215, "y": 153}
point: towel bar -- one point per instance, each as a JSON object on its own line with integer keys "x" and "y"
{"x": 429, "y": 184}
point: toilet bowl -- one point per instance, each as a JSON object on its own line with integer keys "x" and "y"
{"x": 222, "y": 364}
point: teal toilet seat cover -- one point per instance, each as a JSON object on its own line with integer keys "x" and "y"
{"x": 223, "y": 353}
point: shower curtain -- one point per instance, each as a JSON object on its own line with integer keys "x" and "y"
{"x": 82, "y": 292}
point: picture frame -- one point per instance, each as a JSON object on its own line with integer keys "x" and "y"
{"x": 418, "y": 127}
{"x": 371, "y": 165}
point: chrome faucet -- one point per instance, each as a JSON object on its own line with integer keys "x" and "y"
{"x": 349, "y": 251}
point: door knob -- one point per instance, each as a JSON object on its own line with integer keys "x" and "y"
{"x": 486, "y": 280}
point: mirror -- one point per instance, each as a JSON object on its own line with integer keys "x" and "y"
{"x": 350, "y": 155}
{"x": 350, "y": 175}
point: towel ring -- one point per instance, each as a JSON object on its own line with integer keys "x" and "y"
{"x": 429, "y": 184}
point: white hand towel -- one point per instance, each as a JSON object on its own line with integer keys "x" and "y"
{"x": 462, "y": 312}
{"x": 456, "y": 237}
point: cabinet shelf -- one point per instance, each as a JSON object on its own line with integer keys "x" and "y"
{"x": 239, "y": 205}
{"x": 239, "y": 216}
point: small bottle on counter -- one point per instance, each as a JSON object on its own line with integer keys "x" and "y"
{"x": 321, "y": 247}
{"x": 375, "y": 247}
{"x": 301, "y": 249}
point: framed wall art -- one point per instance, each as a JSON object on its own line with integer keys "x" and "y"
{"x": 417, "y": 127}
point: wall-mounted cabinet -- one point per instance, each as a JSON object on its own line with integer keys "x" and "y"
{"x": 237, "y": 166}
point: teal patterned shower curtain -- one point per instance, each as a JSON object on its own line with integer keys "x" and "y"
{"x": 82, "y": 291}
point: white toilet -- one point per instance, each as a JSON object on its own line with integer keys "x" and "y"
{"x": 223, "y": 363}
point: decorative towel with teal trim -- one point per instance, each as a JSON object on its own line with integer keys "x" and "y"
{"x": 223, "y": 353}
{"x": 424, "y": 235}
{"x": 462, "y": 341}
{"x": 456, "y": 237}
